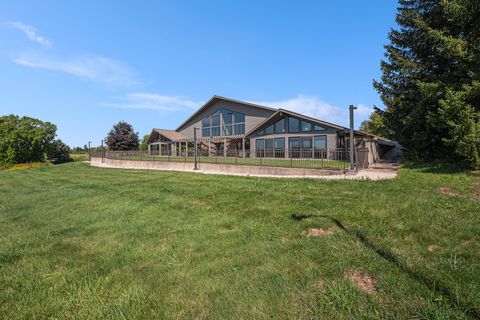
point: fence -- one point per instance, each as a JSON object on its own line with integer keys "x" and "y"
{"x": 336, "y": 159}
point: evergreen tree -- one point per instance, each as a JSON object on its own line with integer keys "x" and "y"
{"x": 122, "y": 137}
{"x": 430, "y": 82}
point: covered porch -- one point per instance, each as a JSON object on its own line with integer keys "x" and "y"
{"x": 170, "y": 143}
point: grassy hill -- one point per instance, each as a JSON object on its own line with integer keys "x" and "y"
{"x": 84, "y": 242}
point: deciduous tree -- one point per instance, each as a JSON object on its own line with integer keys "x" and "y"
{"x": 24, "y": 139}
{"x": 122, "y": 137}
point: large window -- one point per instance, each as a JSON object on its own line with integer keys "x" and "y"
{"x": 297, "y": 125}
{"x": 320, "y": 147}
{"x": 308, "y": 147}
{"x": 293, "y": 124}
{"x": 280, "y": 126}
{"x": 300, "y": 147}
{"x": 270, "y": 148}
{"x": 260, "y": 148}
{"x": 223, "y": 123}
{"x": 320, "y": 142}
{"x": 306, "y": 126}
{"x": 277, "y": 127}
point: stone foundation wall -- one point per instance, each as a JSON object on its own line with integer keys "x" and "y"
{"x": 214, "y": 168}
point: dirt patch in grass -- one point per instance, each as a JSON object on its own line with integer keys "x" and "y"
{"x": 476, "y": 191}
{"x": 363, "y": 281}
{"x": 319, "y": 285}
{"x": 432, "y": 248}
{"x": 448, "y": 191}
{"x": 318, "y": 232}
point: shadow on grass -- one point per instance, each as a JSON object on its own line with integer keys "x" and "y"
{"x": 432, "y": 284}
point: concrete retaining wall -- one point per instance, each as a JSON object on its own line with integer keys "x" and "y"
{"x": 214, "y": 168}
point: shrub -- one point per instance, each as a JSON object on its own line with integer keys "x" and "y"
{"x": 58, "y": 152}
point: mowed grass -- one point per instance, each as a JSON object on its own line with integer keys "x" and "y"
{"x": 82, "y": 242}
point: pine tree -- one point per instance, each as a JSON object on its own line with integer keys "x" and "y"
{"x": 430, "y": 79}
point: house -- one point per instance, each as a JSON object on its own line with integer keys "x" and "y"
{"x": 228, "y": 127}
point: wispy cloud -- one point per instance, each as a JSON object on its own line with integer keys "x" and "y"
{"x": 153, "y": 101}
{"x": 90, "y": 67}
{"x": 31, "y": 33}
{"x": 314, "y": 107}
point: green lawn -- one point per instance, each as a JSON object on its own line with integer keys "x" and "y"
{"x": 82, "y": 242}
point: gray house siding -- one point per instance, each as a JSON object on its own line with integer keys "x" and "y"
{"x": 253, "y": 116}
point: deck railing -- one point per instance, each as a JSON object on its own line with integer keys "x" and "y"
{"x": 337, "y": 159}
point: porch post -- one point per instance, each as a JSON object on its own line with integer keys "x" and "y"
{"x": 243, "y": 147}
{"x": 148, "y": 149}
{"x": 352, "y": 142}
{"x": 209, "y": 151}
{"x": 225, "y": 147}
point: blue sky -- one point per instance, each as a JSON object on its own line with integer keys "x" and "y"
{"x": 85, "y": 65}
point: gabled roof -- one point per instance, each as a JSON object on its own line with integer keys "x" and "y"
{"x": 281, "y": 112}
{"x": 169, "y": 134}
{"x": 219, "y": 98}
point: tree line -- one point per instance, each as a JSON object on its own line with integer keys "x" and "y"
{"x": 25, "y": 139}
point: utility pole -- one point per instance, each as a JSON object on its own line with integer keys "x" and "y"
{"x": 195, "y": 147}
{"x": 89, "y": 152}
{"x": 352, "y": 143}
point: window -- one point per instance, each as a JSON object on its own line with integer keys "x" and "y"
{"x": 206, "y": 132}
{"x": 269, "y": 129}
{"x": 260, "y": 133}
{"x": 239, "y": 128}
{"x": 260, "y": 148}
{"x": 206, "y": 122}
{"x": 227, "y": 116}
{"x": 216, "y": 119}
{"x": 215, "y": 131}
{"x": 233, "y": 123}
{"x": 206, "y": 127}
{"x": 268, "y": 144}
{"x": 306, "y": 126}
{"x": 297, "y": 125}
{"x": 294, "y": 143}
{"x": 260, "y": 144}
{"x": 227, "y": 130}
{"x": 293, "y": 124}
{"x": 306, "y": 143}
{"x": 279, "y": 143}
{"x": 239, "y": 117}
{"x": 223, "y": 122}
{"x": 300, "y": 147}
{"x": 280, "y": 126}
{"x": 270, "y": 148}
{"x": 320, "y": 142}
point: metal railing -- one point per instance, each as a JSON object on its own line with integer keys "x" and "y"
{"x": 336, "y": 159}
